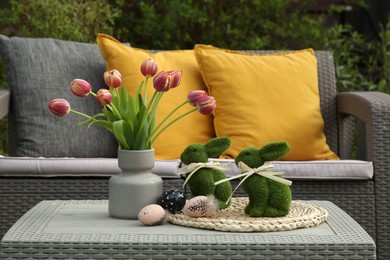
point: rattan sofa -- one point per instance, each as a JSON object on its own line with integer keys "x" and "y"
{"x": 367, "y": 201}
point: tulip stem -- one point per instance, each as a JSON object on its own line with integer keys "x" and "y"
{"x": 152, "y": 100}
{"x": 170, "y": 123}
{"x": 80, "y": 114}
{"x": 146, "y": 90}
{"x": 156, "y": 100}
{"x": 170, "y": 114}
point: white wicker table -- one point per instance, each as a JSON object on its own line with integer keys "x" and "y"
{"x": 82, "y": 229}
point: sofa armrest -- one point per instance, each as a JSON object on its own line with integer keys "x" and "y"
{"x": 373, "y": 110}
{"x": 4, "y": 102}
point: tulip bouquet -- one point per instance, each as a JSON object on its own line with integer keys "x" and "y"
{"x": 132, "y": 120}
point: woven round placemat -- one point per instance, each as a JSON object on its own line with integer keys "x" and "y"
{"x": 233, "y": 219}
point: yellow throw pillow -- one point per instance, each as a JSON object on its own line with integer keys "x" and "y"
{"x": 266, "y": 98}
{"x": 194, "y": 128}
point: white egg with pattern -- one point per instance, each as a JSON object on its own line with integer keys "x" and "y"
{"x": 199, "y": 206}
{"x": 152, "y": 215}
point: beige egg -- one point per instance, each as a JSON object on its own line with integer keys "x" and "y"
{"x": 200, "y": 206}
{"x": 152, "y": 215}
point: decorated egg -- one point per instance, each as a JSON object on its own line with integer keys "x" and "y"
{"x": 172, "y": 200}
{"x": 200, "y": 206}
{"x": 152, "y": 215}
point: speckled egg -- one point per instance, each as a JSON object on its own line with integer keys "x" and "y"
{"x": 172, "y": 200}
{"x": 200, "y": 206}
{"x": 152, "y": 215}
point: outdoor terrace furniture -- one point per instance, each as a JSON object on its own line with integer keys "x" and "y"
{"x": 86, "y": 231}
{"x": 40, "y": 69}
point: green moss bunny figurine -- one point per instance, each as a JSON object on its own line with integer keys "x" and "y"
{"x": 201, "y": 175}
{"x": 269, "y": 194}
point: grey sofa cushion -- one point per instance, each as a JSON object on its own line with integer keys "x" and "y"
{"x": 39, "y": 70}
{"x": 293, "y": 170}
{"x": 89, "y": 167}
{"x": 313, "y": 170}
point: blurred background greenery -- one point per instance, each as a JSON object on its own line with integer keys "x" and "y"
{"x": 357, "y": 31}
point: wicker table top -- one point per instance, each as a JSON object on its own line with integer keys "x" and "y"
{"x": 83, "y": 229}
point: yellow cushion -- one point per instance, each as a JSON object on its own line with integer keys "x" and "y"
{"x": 194, "y": 128}
{"x": 265, "y": 98}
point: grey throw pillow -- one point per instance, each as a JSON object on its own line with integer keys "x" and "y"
{"x": 39, "y": 70}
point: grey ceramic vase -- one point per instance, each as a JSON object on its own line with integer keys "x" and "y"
{"x": 136, "y": 186}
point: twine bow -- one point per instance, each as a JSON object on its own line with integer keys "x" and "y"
{"x": 262, "y": 171}
{"x": 192, "y": 168}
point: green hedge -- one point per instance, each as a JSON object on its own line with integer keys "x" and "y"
{"x": 179, "y": 24}
{"x": 239, "y": 24}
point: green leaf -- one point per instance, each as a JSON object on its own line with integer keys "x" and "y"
{"x": 132, "y": 110}
{"x": 142, "y": 117}
{"x": 141, "y": 142}
{"x": 140, "y": 102}
{"x": 152, "y": 122}
{"x": 142, "y": 133}
{"x": 124, "y": 106}
{"x": 137, "y": 100}
{"x": 109, "y": 115}
{"x": 115, "y": 112}
{"x": 129, "y": 134}
{"x": 119, "y": 133}
{"x": 115, "y": 97}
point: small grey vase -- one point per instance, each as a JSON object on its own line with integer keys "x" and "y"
{"x": 136, "y": 186}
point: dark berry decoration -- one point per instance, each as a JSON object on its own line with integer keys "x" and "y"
{"x": 172, "y": 200}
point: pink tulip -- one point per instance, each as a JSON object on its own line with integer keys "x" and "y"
{"x": 193, "y": 96}
{"x": 165, "y": 80}
{"x": 59, "y": 107}
{"x": 80, "y": 87}
{"x": 103, "y": 97}
{"x": 206, "y": 105}
{"x": 113, "y": 78}
{"x": 176, "y": 78}
{"x": 149, "y": 68}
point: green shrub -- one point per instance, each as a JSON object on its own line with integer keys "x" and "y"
{"x": 360, "y": 64}
{"x": 239, "y": 24}
{"x": 62, "y": 19}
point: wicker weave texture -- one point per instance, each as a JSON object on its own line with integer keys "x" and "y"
{"x": 373, "y": 108}
{"x": 18, "y": 195}
{"x": 381, "y": 157}
{"x": 344, "y": 240}
{"x": 4, "y": 103}
{"x": 186, "y": 251}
